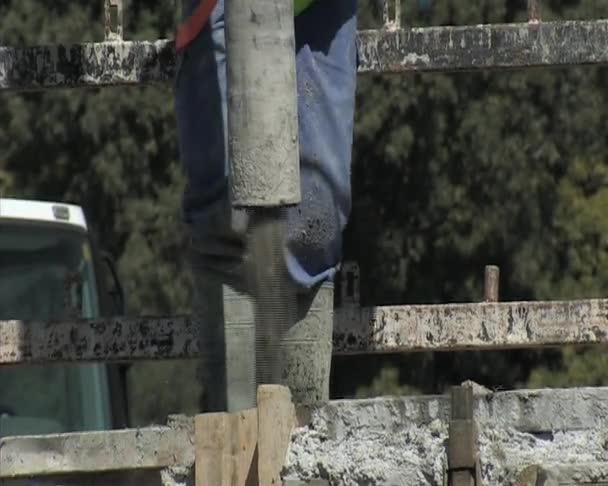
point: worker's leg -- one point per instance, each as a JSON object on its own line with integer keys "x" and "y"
{"x": 326, "y": 74}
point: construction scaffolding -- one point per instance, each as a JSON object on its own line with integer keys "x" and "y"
{"x": 458, "y": 430}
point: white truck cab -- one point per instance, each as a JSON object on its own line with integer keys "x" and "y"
{"x": 50, "y": 269}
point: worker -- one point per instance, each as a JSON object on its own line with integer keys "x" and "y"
{"x": 326, "y": 64}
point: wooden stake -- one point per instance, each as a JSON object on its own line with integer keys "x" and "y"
{"x": 225, "y": 451}
{"x": 276, "y": 420}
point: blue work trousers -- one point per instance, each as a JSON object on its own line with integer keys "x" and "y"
{"x": 326, "y": 64}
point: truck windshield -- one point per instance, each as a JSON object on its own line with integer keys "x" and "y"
{"x": 46, "y": 272}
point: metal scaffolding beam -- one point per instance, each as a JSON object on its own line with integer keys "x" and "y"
{"x": 357, "y": 330}
{"x": 432, "y": 49}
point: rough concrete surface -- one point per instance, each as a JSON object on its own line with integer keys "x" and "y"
{"x": 526, "y": 438}
{"x": 388, "y": 442}
{"x": 401, "y": 441}
{"x": 507, "y": 452}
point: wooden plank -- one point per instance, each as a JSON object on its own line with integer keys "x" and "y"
{"x": 94, "y": 452}
{"x": 213, "y": 463}
{"x": 225, "y": 449}
{"x": 427, "y": 49}
{"x": 357, "y": 330}
{"x": 276, "y": 420}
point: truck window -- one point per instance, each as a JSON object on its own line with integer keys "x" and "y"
{"x": 46, "y": 270}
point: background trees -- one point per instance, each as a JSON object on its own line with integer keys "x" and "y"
{"x": 451, "y": 172}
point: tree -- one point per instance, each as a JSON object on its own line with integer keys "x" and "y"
{"x": 456, "y": 171}
{"x": 450, "y": 172}
{"x": 114, "y": 152}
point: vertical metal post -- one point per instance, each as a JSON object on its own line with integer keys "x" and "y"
{"x": 534, "y": 11}
{"x": 491, "y": 283}
{"x": 113, "y": 20}
{"x": 349, "y": 284}
{"x": 395, "y": 22}
{"x": 463, "y": 464}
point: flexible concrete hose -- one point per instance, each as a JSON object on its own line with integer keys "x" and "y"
{"x": 275, "y": 296}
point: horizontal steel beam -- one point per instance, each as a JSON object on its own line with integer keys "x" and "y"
{"x": 483, "y": 326}
{"x": 112, "y": 63}
{"x": 357, "y": 330}
{"x": 435, "y": 49}
{"x": 484, "y": 47}
{"x": 119, "y": 339}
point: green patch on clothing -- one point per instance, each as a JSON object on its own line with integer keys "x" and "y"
{"x": 301, "y": 5}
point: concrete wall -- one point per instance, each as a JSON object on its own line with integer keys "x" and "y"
{"x": 526, "y": 438}
{"x": 402, "y": 441}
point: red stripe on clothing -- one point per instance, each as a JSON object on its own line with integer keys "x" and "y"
{"x": 188, "y": 31}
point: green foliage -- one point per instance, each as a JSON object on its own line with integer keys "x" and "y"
{"x": 157, "y": 389}
{"x": 385, "y": 384}
{"x": 579, "y": 367}
{"x": 451, "y": 172}
{"x": 114, "y": 152}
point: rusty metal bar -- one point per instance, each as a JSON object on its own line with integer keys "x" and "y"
{"x": 113, "y": 20}
{"x": 534, "y": 11}
{"x": 391, "y": 22}
{"x": 357, "y": 330}
{"x": 433, "y": 49}
{"x": 491, "y": 283}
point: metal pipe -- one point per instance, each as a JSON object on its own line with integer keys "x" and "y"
{"x": 262, "y": 103}
{"x": 534, "y": 11}
{"x": 265, "y": 165}
{"x": 491, "y": 283}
